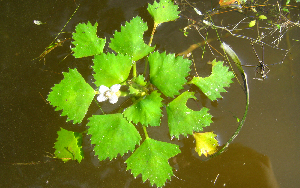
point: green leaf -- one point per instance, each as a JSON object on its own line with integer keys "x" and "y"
{"x": 252, "y": 23}
{"x": 262, "y": 17}
{"x": 137, "y": 86}
{"x": 206, "y": 143}
{"x": 278, "y": 26}
{"x": 168, "y": 73}
{"x": 111, "y": 69}
{"x": 146, "y": 110}
{"x": 213, "y": 85}
{"x": 68, "y": 146}
{"x": 140, "y": 80}
{"x": 182, "y": 120}
{"x": 164, "y": 11}
{"x": 112, "y": 134}
{"x": 130, "y": 40}
{"x": 285, "y": 9}
{"x": 86, "y": 41}
{"x": 72, "y": 95}
{"x": 151, "y": 160}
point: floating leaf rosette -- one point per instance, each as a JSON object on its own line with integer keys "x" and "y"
{"x": 116, "y": 75}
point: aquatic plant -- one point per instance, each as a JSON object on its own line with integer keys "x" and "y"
{"x": 117, "y": 134}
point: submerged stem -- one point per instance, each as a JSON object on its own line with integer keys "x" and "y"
{"x": 237, "y": 61}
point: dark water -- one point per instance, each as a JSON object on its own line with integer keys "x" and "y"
{"x": 265, "y": 153}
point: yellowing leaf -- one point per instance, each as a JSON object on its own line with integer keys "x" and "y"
{"x": 205, "y": 143}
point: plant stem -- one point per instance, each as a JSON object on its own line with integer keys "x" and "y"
{"x": 145, "y": 131}
{"x": 134, "y": 69}
{"x": 237, "y": 62}
{"x": 150, "y": 42}
{"x": 241, "y": 122}
{"x": 152, "y": 34}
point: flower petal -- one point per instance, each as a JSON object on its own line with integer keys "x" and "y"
{"x": 115, "y": 87}
{"x": 101, "y": 98}
{"x": 103, "y": 89}
{"x": 113, "y": 99}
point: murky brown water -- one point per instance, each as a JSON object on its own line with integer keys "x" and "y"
{"x": 265, "y": 153}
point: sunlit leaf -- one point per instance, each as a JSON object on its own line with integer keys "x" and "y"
{"x": 182, "y": 120}
{"x": 130, "y": 40}
{"x": 72, "y": 95}
{"x": 252, "y": 23}
{"x": 151, "y": 160}
{"x": 111, "y": 135}
{"x": 206, "y": 143}
{"x": 68, "y": 146}
{"x": 168, "y": 72}
{"x": 146, "y": 110}
{"x": 213, "y": 85}
{"x": 164, "y": 11}
{"x": 86, "y": 40}
{"x": 111, "y": 69}
{"x": 262, "y": 17}
{"x": 285, "y": 9}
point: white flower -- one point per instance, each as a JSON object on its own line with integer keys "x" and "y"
{"x": 112, "y": 94}
{"x": 37, "y": 22}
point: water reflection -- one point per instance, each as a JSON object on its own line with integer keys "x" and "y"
{"x": 239, "y": 166}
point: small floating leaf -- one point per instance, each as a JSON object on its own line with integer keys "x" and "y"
{"x": 68, "y": 146}
{"x": 86, "y": 40}
{"x": 130, "y": 40}
{"x": 168, "y": 72}
{"x": 252, "y": 23}
{"x": 151, "y": 160}
{"x": 262, "y": 17}
{"x": 72, "y": 95}
{"x": 112, "y": 134}
{"x": 164, "y": 11}
{"x": 182, "y": 120}
{"x": 111, "y": 69}
{"x": 213, "y": 85}
{"x": 146, "y": 110}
